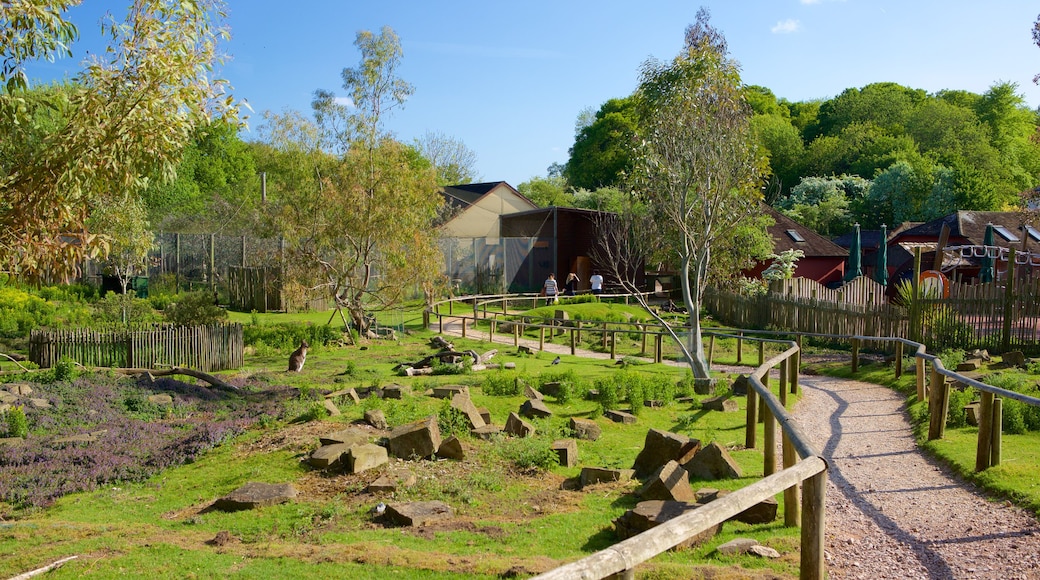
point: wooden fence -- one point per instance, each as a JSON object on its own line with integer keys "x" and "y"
{"x": 1000, "y": 317}
{"x": 258, "y": 288}
{"x": 211, "y": 348}
{"x": 862, "y": 291}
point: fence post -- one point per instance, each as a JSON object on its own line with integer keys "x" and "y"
{"x": 997, "y": 430}
{"x": 769, "y": 440}
{"x": 613, "y": 342}
{"x": 752, "y": 417}
{"x": 711, "y": 348}
{"x": 984, "y": 447}
{"x": 762, "y": 400}
{"x": 855, "y": 355}
{"x": 516, "y": 333}
{"x": 792, "y": 515}
{"x": 572, "y": 340}
{"x": 920, "y": 377}
{"x": 1009, "y": 302}
{"x": 440, "y": 323}
{"x": 814, "y": 494}
{"x": 938, "y": 400}
{"x": 899, "y": 359}
{"x": 642, "y": 327}
{"x": 761, "y": 352}
{"x": 783, "y": 382}
{"x": 657, "y": 347}
{"x": 491, "y": 332}
{"x": 797, "y": 364}
{"x": 541, "y": 338}
{"x": 739, "y": 341}
{"x": 462, "y": 320}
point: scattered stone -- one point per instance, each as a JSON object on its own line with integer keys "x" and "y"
{"x": 376, "y": 418}
{"x": 486, "y": 433}
{"x": 366, "y": 392}
{"x": 740, "y": 385}
{"x": 449, "y": 391}
{"x": 736, "y": 546}
{"x": 19, "y": 389}
{"x": 981, "y": 354}
{"x": 509, "y": 365}
{"x": 585, "y": 429}
{"x": 708, "y": 494}
{"x": 968, "y": 365}
{"x": 712, "y": 462}
{"x": 331, "y": 407}
{"x": 393, "y": 392}
{"x": 350, "y": 393}
{"x": 256, "y": 495}
{"x": 485, "y": 414}
{"x": 6, "y": 397}
{"x": 764, "y": 551}
{"x": 552, "y": 388}
{"x": 81, "y": 438}
{"x": 567, "y": 451}
{"x": 591, "y": 475}
{"x": 762, "y": 512}
{"x": 327, "y": 455}
{"x": 40, "y": 403}
{"x": 620, "y": 417}
{"x": 971, "y": 413}
{"x": 518, "y": 427}
{"x": 364, "y": 457}
{"x": 535, "y": 409}
{"x": 419, "y": 513}
{"x": 349, "y": 436}
{"x": 421, "y": 438}
{"x": 391, "y": 482}
{"x": 487, "y": 356}
{"x": 669, "y": 482}
{"x": 451, "y": 448}
{"x": 660, "y": 447}
{"x": 160, "y": 399}
{"x": 724, "y": 404}
{"x": 464, "y": 404}
{"x": 222, "y": 538}
{"x": 1014, "y": 358}
{"x": 704, "y": 386}
{"x": 532, "y": 393}
{"x": 652, "y": 513}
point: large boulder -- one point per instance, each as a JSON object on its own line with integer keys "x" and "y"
{"x": 364, "y": 457}
{"x": 591, "y": 475}
{"x": 567, "y": 451}
{"x": 660, "y": 447}
{"x": 421, "y": 438}
{"x": 327, "y": 455}
{"x": 451, "y": 448}
{"x": 535, "y": 409}
{"x": 418, "y": 513}
{"x": 464, "y": 404}
{"x": 669, "y": 482}
{"x": 376, "y": 418}
{"x": 712, "y": 462}
{"x": 724, "y": 404}
{"x": 620, "y": 417}
{"x": 652, "y": 513}
{"x": 518, "y": 427}
{"x": 585, "y": 428}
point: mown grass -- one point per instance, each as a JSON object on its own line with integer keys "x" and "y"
{"x": 526, "y": 521}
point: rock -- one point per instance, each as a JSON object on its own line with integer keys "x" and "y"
{"x": 222, "y": 538}
{"x": 591, "y": 475}
{"x": 487, "y": 356}
{"x": 160, "y": 399}
{"x": 255, "y": 495}
{"x": 391, "y": 482}
{"x": 350, "y": 394}
{"x": 981, "y": 354}
{"x": 81, "y": 438}
{"x": 451, "y": 448}
{"x": 331, "y": 407}
{"x": 486, "y": 433}
{"x": 712, "y": 462}
{"x": 669, "y": 482}
{"x": 449, "y": 391}
{"x": 349, "y": 436}
{"x": 740, "y": 385}
{"x": 968, "y": 365}
{"x": 393, "y": 392}
{"x": 6, "y": 397}
{"x": 620, "y": 417}
{"x": 763, "y": 551}
{"x": 485, "y": 414}
{"x": 535, "y": 409}
{"x": 552, "y": 388}
{"x": 364, "y": 457}
{"x": 660, "y": 447}
{"x": 736, "y": 546}
{"x": 652, "y": 513}
{"x": 419, "y": 513}
{"x": 19, "y": 389}
{"x": 518, "y": 427}
{"x": 441, "y": 343}
{"x": 585, "y": 429}
{"x": 40, "y": 403}
{"x": 971, "y": 413}
{"x": 421, "y": 438}
{"x": 708, "y": 494}
{"x": 463, "y": 404}
{"x": 366, "y": 392}
{"x": 532, "y": 393}
{"x": 509, "y": 365}
{"x": 704, "y": 386}
{"x": 567, "y": 451}
{"x": 1014, "y": 358}
{"x": 376, "y": 418}
{"x": 327, "y": 455}
{"x": 724, "y": 404}
{"x": 762, "y": 512}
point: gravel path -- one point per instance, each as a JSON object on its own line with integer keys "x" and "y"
{"x": 892, "y": 512}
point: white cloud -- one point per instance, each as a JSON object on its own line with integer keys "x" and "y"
{"x": 787, "y": 26}
{"x": 345, "y": 101}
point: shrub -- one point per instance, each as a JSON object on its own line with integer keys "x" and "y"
{"x": 958, "y": 399}
{"x": 124, "y": 309}
{"x": 451, "y": 421}
{"x": 501, "y": 384}
{"x": 287, "y": 335}
{"x": 194, "y": 309}
{"x": 17, "y": 425}
{"x": 314, "y": 412}
{"x": 1014, "y": 421}
{"x": 64, "y": 369}
{"x": 529, "y": 453}
{"x": 610, "y": 392}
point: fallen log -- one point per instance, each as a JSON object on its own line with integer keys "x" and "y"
{"x": 212, "y": 380}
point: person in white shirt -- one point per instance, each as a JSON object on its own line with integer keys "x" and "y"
{"x": 550, "y": 290}
{"x": 597, "y": 282}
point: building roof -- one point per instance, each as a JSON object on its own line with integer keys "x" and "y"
{"x": 969, "y": 227}
{"x": 464, "y": 195}
{"x": 788, "y": 234}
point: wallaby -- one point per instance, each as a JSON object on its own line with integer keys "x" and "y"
{"x": 298, "y": 357}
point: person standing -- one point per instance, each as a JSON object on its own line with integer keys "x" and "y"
{"x": 550, "y": 290}
{"x": 571, "y": 285}
{"x": 597, "y": 282}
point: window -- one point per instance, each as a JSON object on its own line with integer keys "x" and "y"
{"x": 1005, "y": 233}
{"x": 795, "y": 235}
{"x": 1033, "y": 233}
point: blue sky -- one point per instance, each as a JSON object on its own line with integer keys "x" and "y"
{"x": 510, "y": 78}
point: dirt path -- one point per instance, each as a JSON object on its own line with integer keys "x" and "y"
{"x": 891, "y": 511}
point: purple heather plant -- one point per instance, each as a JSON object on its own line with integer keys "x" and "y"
{"x": 134, "y": 438}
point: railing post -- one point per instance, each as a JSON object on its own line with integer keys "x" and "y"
{"x": 769, "y": 441}
{"x": 797, "y": 364}
{"x": 541, "y": 337}
{"x": 491, "y": 330}
{"x": 657, "y": 348}
{"x": 761, "y": 352}
{"x": 855, "y": 355}
{"x": 783, "y": 382}
{"x": 613, "y": 343}
{"x": 643, "y": 329}
{"x": 752, "y": 417}
{"x": 572, "y": 339}
{"x": 711, "y": 348}
{"x": 920, "y": 377}
{"x": 516, "y": 333}
{"x": 440, "y": 323}
{"x": 739, "y": 345}
{"x": 899, "y": 359}
{"x": 762, "y": 400}
{"x": 792, "y": 513}
{"x": 462, "y": 321}
{"x": 995, "y": 434}
{"x": 813, "y": 496}
{"x": 938, "y": 400}
{"x": 984, "y": 448}
{"x": 426, "y": 319}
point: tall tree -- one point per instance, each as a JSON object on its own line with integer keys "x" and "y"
{"x": 699, "y": 169}
{"x": 453, "y": 162}
{"x": 121, "y": 120}
{"x": 367, "y": 229}
{"x": 601, "y": 154}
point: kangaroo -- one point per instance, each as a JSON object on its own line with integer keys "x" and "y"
{"x": 298, "y": 357}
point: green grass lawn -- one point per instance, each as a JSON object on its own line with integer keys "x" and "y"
{"x": 506, "y": 518}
